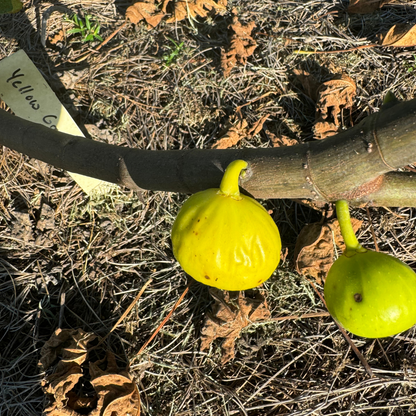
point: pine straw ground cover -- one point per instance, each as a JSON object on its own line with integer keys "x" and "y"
{"x": 74, "y": 262}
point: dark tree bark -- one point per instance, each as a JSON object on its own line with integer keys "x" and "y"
{"x": 352, "y": 165}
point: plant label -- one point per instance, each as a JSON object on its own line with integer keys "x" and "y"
{"x": 26, "y": 92}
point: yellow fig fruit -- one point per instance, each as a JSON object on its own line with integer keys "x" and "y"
{"x": 370, "y": 294}
{"x": 224, "y": 239}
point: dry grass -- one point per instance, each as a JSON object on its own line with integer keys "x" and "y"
{"x": 100, "y": 252}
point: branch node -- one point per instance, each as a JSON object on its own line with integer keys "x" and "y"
{"x": 316, "y": 191}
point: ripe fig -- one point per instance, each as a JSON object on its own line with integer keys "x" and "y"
{"x": 370, "y": 294}
{"x": 225, "y": 239}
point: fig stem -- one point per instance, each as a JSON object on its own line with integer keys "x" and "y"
{"x": 343, "y": 214}
{"x": 229, "y": 182}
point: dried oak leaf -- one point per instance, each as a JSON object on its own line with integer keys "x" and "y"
{"x": 366, "y": 6}
{"x": 229, "y": 317}
{"x": 112, "y": 392}
{"x": 147, "y": 11}
{"x": 315, "y": 251}
{"x": 401, "y": 35}
{"x": 241, "y": 47}
{"x": 194, "y": 8}
{"x": 333, "y": 96}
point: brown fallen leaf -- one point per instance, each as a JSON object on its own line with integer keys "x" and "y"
{"x": 401, "y": 35}
{"x": 258, "y": 125}
{"x": 241, "y": 47}
{"x": 22, "y": 226}
{"x": 71, "y": 346}
{"x": 323, "y": 129}
{"x": 58, "y": 37}
{"x": 315, "y": 248}
{"x": 111, "y": 391}
{"x": 238, "y": 131}
{"x": 339, "y": 241}
{"x": 309, "y": 83}
{"x": 333, "y": 97}
{"x": 230, "y": 315}
{"x": 193, "y": 8}
{"x": 147, "y": 11}
{"x": 314, "y": 251}
{"x": 117, "y": 393}
{"x": 47, "y": 218}
{"x": 279, "y": 141}
{"x": 232, "y": 136}
{"x": 366, "y": 6}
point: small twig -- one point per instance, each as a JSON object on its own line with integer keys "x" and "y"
{"x": 43, "y": 279}
{"x": 361, "y": 357}
{"x": 108, "y": 38}
{"x": 372, "y": 229}
{"x": 175, "y": 306}
{"x": 384, "y": 353}
{"x": 410, "y": 168}
{"x": 127, "y": 311}
{"x": 303, "y": 316}
{"x": 355, "y": 48}
{"x": 61, "y": 310}
{"x": 104, "y": 42}
{"x": 238, "y": 109}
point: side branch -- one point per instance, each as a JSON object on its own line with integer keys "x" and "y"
{"x": 351, "y": 165}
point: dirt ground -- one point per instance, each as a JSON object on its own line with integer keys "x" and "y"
{"x": 70, "y": 261}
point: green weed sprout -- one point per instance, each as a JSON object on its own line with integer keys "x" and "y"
{"x": 174, "y": 52}
{"x": 88, "y": 28}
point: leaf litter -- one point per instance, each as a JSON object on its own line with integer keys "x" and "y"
{"x": 80, "y": 386}
{"x": 334, "y": 96}
{"x": 315, "y": 248}
{"x": 331, "y": 98}
{"x": 238, "y": 131}
{"x": 284, "y": 397}
{"x": 366, "y": 6}
{"x": 147, "y": 11}
{"x": 241, "y": 47}
{"x": 153, "y": 13}
{"x": 401, "y": 35}
{"x": 231, "y": 313}
{"x": 192, "y": 8}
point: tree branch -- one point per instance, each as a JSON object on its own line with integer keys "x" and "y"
{"x": 352, "y": 165}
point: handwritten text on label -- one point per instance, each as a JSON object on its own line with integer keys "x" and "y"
{"x": 16, "y": 80}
